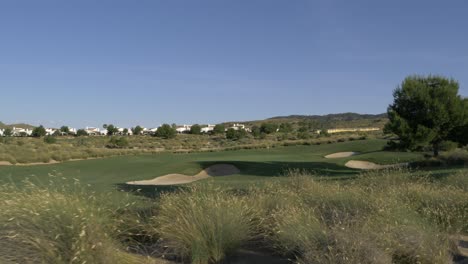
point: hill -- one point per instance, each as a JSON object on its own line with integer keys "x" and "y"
{"x": 20, "y": 125}
{"x": 341, "y": 120}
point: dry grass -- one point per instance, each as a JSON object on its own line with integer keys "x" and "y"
{"x": 380, "y": 217}
{"x": 204, "y": 224}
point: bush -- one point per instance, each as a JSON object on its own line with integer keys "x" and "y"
{"x": 268, "y": 128}
{"x": 455, "y": 157}
{"x": 117, "y": 142}
{"x": 233, "y": 134}
{"x": 40, "y": 225}
{"x": 81, "y": 132}
{"x": 50, "y": 139}
{"x": 204, "y": 225}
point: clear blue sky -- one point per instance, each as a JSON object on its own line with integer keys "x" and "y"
{"x": 146, "y": 62}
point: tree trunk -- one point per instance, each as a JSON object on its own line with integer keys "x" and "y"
{"x": 435, "y": 148}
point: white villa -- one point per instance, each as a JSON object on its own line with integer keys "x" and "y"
{"x": 183, "y": 129}
{"x": 50, "y": 131}
{"x": 121, "y": 131}
{"x": 239, "y": 126}
{"x": 19, "y": 132}
{"x": 72, "y": 130}
{"x": 93, "y": 131}
{"x": 207, "y": 129}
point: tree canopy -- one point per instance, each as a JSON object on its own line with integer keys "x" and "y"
{"x": 39, "y": 131}
{"x": 65, "y": 129}
{"x": 111, "y": 129}
{"x": 137, "y": 130}
{"x": 81, "y": 132}
{"x": 195, "y": 129}
{"x": 219, "y": 129}
{"x": 166, "y": 131}
{"x": 426, "y": 111}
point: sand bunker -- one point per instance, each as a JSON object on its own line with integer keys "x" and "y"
{"x": 170, "y": 179}
{"x": 340, "y": 155}
{"x": 367, "y": 165}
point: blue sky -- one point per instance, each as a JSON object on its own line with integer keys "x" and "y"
{"x": 148, "y": 62}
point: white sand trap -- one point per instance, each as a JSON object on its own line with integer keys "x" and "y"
{"x": 170, "y": 179}
{"x": 367, "y": 165}
{"x": 340, "y": 155}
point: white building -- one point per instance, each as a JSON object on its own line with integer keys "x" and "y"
{"x": 18, "y": 132}
{"x": 50, "y": 131}
{"x": 183, "y": 129}
{"x": 239, "y": 126}
{"x": 207, "y": 129}
{"x": 72, "y": 131}
{"x": 1, "y": 132}
{"x": 121, "y": 131}
{"x": 92, "y": 131}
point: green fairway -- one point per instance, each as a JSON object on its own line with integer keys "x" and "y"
{"x": 255, "y": 165}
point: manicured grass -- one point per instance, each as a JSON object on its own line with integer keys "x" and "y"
{"x": 256, "y": 165}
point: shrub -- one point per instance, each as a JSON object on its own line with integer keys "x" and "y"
{"x": 81, "y": 132}
{"x": 117, "y": 142}
{"x": 204, "y": 224}
{"x": 50, "y": 140}
{"x": 40, "y": 225}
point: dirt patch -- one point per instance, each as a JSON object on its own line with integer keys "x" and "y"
{"x": 340, "y": 155}
{"x": 367, "y": 165}
{"x": 170, "y": 179}
{"x": 7, "y": 163}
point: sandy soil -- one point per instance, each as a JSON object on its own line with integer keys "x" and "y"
{"x": 7, "y": 163}
{"x": 340, "y": 155}
{"x": 367, "y": 165}
{"x": 170, "y": 179}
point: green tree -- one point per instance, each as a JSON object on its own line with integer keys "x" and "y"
{"x": 233, "y": 134}
{"x": 81, "y": 132}
{"x": 137, "y": 130}
{"x": 7, "y": 132}
{"x": 256, "y": 132}
{"x": 125, "y": 131}
{"x": 195, "y": 129}
{"x": 39, "y": 131}
{"x": 459, "y": 133}
{"x": 425, "y": 111}
{"x": 268, "y": 128}
{"x": 65, "y": 130}
{"x": 166, "y": 131}
{"x": 111, "y": 130}
{"x": 285, "y": 128}
{"x": 219, "y": 129}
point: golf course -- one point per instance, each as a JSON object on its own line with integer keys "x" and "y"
{"x": 254, "y": 166}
